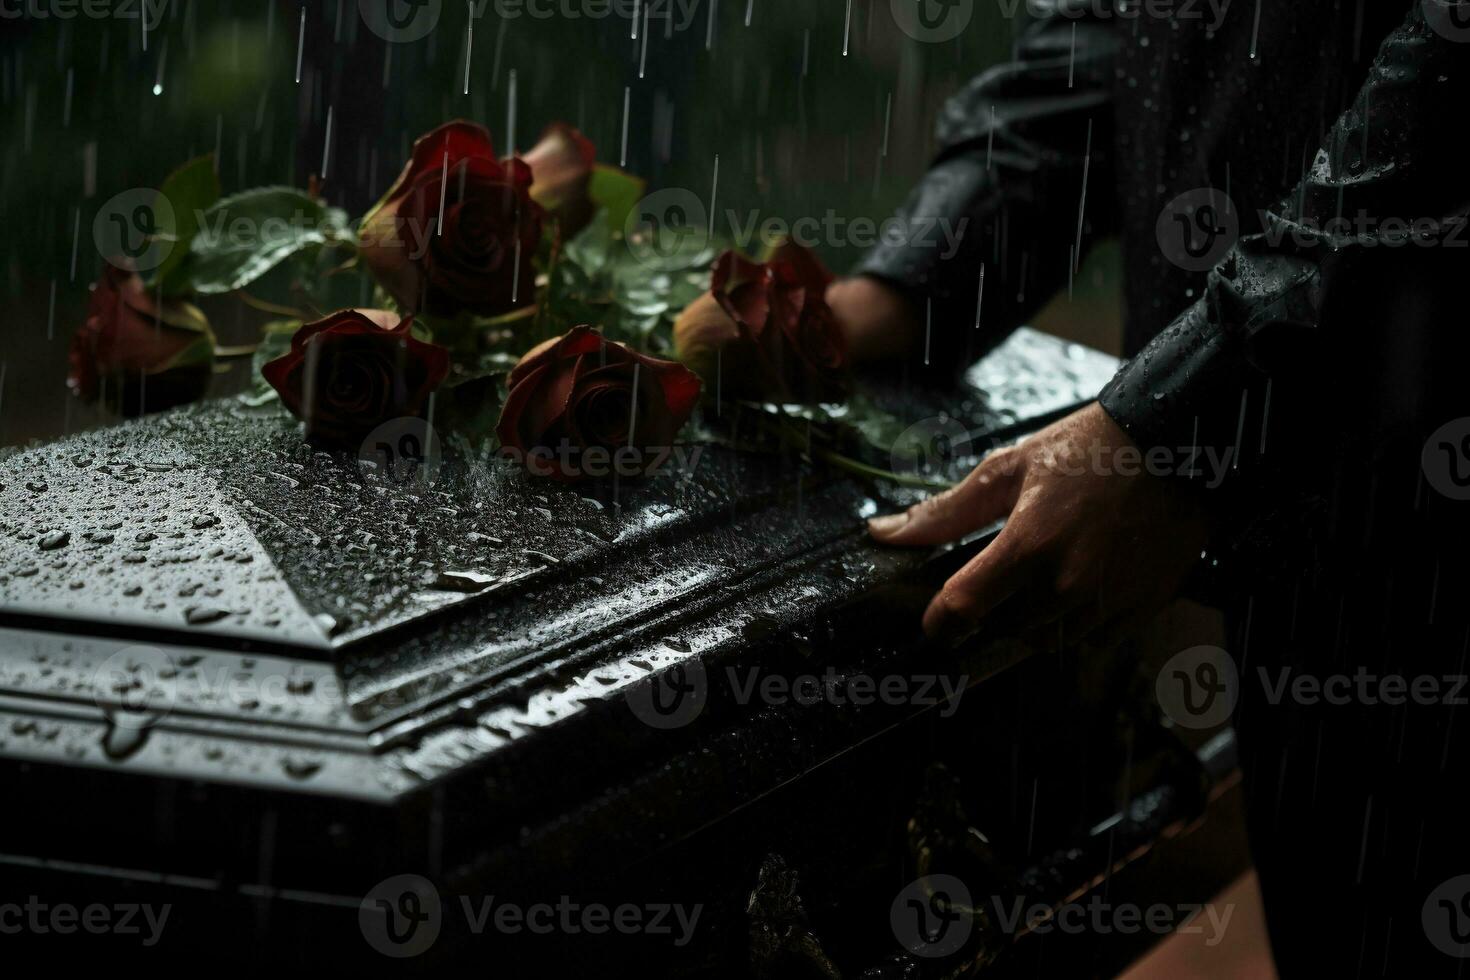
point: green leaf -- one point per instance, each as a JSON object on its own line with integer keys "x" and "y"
{"x": 466, "y": 334}
{"x": 190, "y": 191}
{"x": 246, "y": 235}
{"x": 857, "y": 415}
{"x": 275, "y": 341}
{"x": 633, "y": 295}
{"x": 672, "y": 249}
{"x": 615, "y": 192}
{"x": 200, "y": 351}
{"x": 879, "y": 428}
{"x": 591, "y": 250}
{"x": 382, "y": 299}
{"x": 182, "y": 315}
{"x": 469, "y": 406}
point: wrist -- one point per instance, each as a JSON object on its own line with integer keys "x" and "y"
{"x": 878, "y": 320}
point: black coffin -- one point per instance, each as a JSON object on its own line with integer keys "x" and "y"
{"x": 308, "y": 708}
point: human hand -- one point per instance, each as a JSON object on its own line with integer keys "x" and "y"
{"x": 876, "y": 319}
{"x": 1088, "y": 543}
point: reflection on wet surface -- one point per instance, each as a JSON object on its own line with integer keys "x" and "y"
{"x": 256, "y": 581}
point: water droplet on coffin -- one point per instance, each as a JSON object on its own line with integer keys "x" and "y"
{"x": 463, "y": 580}
{"x": 298, "y": 768}
{"x": 125, "y": 734}
{"x": 329, "y": 624}
{"x": 204, "y": 615}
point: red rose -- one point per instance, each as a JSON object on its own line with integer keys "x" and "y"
{"x": 581, "y": 405}
{"x": 479, "y": 258}
{"x": 561, "y": 165}
{"x": 347, "y": 374}
{"x": 771, "y": 326}
{"x": 145, "y": 355}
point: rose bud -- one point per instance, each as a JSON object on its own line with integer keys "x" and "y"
{"x": 561, "y": 165}
{"x": 707, "y": 340}
{"x": 478, "y": 257}
{"x": 769, "y": 322}
{"x": 580, "y": 405}
{"x": 144, "y": 354}
{"x": 347, "y": 374}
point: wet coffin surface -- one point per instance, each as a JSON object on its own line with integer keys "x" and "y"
{"x": 256, "y": 682}
{"x": 203, "y": 595}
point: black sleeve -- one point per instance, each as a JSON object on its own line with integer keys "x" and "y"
{"x": 1016, "y": 145}
{"x": 1391, "y": 174}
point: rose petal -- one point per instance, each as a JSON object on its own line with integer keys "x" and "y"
{"x": 368, "y": 368}
{"x": 580, "y": 387}
{"x": 803, "y": 265}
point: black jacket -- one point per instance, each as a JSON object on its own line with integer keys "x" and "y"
{"x": 1271, "y": 123}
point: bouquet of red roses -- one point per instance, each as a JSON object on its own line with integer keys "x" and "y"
{"x": 520, "y": 300}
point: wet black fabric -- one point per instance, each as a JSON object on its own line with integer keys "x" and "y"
{"x": 1164, "y": 105}
{"x": 1355, "y": 584}
{"x": 1390, "y": 175}
{"x": 1324, "y": 354}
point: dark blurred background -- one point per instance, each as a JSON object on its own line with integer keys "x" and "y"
{"x": 89, "y": 107}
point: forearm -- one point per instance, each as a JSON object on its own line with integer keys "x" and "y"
{"x": 992, "y": 230}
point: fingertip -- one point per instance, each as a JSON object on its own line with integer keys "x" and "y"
{"x": 888, "y": 526}
{"x": 933, "y": 619}
{"x": 943, "y": 625}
